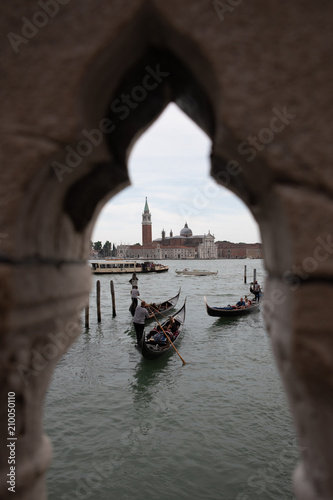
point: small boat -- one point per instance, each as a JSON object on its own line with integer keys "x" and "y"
{"x": 153, "y": 350}
{"x": 118, "y": 266}
{"x": 163, "y": 307}
{"x": 229, "y": 311}
{"x": 196, "y": 272}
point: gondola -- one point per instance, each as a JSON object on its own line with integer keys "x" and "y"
{"x": 159, "y": 309}
{"x": 227, "y": 312}
{"x": 163, "y": 307}
{"x": 151, "y": 350}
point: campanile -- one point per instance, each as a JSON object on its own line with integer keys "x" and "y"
{"x": 146, "y": 226}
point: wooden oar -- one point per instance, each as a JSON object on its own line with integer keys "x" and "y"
{"x": 167, "y": 336}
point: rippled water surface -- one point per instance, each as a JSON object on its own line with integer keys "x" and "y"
{"x": 217, "y": 428}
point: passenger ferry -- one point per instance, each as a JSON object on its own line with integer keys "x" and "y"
{"x": 115, "y": 266}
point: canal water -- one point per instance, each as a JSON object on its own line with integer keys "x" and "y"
{"x": 217, "y": 428}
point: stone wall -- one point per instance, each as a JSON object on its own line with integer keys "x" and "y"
{"x": 256, "y": 77}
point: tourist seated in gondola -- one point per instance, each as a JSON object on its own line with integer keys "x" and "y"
{"x": 153, "y": 308}
{"x": 173, "y": 334}
{"x": 157, "y": 336}
{"x": 172, "y": 328}
{"x": 240, "y": 304}
{"x": 248, "y": 302}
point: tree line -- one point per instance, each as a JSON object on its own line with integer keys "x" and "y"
{"x": 106, "y": 250}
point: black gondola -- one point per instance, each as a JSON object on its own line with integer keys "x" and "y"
{"x": 158, "y": 309}
{"x": 163, "y": 307}
{"x": 151, "y": 350}
{"x": 228, "y": 312}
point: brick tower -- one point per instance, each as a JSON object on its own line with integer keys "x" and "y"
{"x": 146, "y": 226}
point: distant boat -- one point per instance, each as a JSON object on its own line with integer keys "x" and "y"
{"x": 118, "y": 266}
{"x": 229, "y": 312}
{"x": 196, "y": 272}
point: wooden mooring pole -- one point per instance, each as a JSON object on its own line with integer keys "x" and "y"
{"x": 113, "y": 300}
{"x": 245, "y": 274}
{"x": 98, "y": 299}
{"x": 86, "y": 316}
{"x": 254, "y": 275}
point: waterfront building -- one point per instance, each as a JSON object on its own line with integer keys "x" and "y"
{"x": 182, "y": 246}
{"x": 229, "y": 250}
{"x": 185, "y": 245}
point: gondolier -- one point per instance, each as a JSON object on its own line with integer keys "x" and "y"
{"x": 140, "y": 316}
{"x": 134, "y": 296}
{"x": 134, "y": 280}
{"x": 256, "y": 291}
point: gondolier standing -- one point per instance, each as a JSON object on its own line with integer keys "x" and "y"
{"x": 256, "y": 291}
{"x": 134, "y": 280}
{"x": 134, "y": 296}
{"x": 140, "y": 316}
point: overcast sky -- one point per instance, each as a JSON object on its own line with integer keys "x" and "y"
{"x": 170, "y": 165}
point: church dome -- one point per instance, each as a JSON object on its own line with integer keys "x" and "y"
{"x": 186, "y": 231}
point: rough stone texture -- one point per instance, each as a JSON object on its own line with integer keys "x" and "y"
{"x": 233, "y": 73}
{"x": 303, "y": 345}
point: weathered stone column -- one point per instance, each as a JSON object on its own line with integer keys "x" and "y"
{"x": 38, "y": 325}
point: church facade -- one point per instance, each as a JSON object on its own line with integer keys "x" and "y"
{"x": 182, "y": 246}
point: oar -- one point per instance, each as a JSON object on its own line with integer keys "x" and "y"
{"x": 167, "y": 336}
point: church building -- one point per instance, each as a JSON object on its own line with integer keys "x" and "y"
{"x": 182, "y": 246}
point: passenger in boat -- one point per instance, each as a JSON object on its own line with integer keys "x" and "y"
{"x": 172, "y": 328}
{"x": 160, "y": 338}
{"x": 153, "y": 308}
{"x": 248, "y": 302}
{"x": 157, "y": 336}
{"x": 173, "y": 335}
{"x": 240, "y": 304}
{"x": 134, "y": 296}
{"x": 157, "y": 328}
{"x": 140, "y": 315}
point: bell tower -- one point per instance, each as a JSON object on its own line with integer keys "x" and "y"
{"x": 146, "y": 226}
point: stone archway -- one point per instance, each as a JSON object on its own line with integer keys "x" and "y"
{"x": 234, "y": 68}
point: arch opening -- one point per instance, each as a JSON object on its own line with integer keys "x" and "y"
{"x": 130, "y": 438}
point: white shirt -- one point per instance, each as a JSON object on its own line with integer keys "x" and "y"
{"x": 134, "y": 293}
{"x": 140, "y": 314}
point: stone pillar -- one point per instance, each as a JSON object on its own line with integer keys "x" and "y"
{"x": 39, "y": 321}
